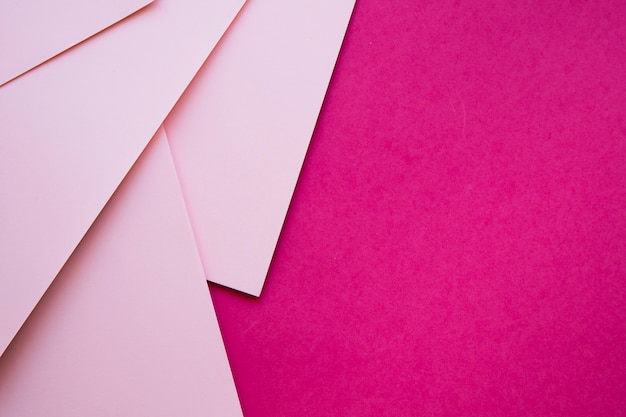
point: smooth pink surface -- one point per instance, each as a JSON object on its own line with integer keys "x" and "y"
{"x": 240, "y": 132}
{"x": 457, "y": 242}
{"x": 127, "y": 328}
{"x": 72, "y": 128}
{"x": 33, "y": 31}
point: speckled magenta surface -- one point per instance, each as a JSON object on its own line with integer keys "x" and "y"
{"x": 456, "y": 245}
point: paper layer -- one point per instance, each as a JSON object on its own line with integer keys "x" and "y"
{"x": 127, "y": 328}
{"x": 33, "y": 31}
{"x": 240, "y": 132}
{"x": 73, "y": 127}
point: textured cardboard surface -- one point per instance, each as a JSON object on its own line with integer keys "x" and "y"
{"x": 457, "y": 241}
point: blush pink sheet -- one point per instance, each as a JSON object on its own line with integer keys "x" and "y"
{"x": 240, "y": 132}
{"x": 127, "y": 328}
{"x": 33, "y": 31}
{"x": 71, "y": 129}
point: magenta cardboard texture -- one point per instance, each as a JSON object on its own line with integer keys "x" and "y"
{"x": 457, "y": 241}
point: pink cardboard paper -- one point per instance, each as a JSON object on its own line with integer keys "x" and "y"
{"x": 456, "y": 245}
{"x": 33, "y": 31}
{"x": 127, "y": 328}
{"x": 240, "y": 132}
{"x": 72, "y": 128}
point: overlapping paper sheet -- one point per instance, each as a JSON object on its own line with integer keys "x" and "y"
{"x": 33, "y": 31}
{"x": 126, "y": 322}
{"x": 240, "y": 133}
{"x": 127, "y": 327}
{"x": 72, "y": 127}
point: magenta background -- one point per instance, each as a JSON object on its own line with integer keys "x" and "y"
{"x": 457, "y": 241}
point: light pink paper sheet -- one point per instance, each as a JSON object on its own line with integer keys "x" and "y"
{"x": 71, "y": 129}
{"x": 240, "y": 132}
{"x": 127, "y": 328}
{"x": 33, "y": 31}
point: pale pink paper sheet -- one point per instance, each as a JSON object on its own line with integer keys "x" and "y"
{"x": 33, "y": 31}
{"x": 128, "y": 327}
{"x": 240, "y": 132}
{"x": 72, "y": 128}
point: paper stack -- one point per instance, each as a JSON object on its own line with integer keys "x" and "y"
{"x": 144, "y": 147}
